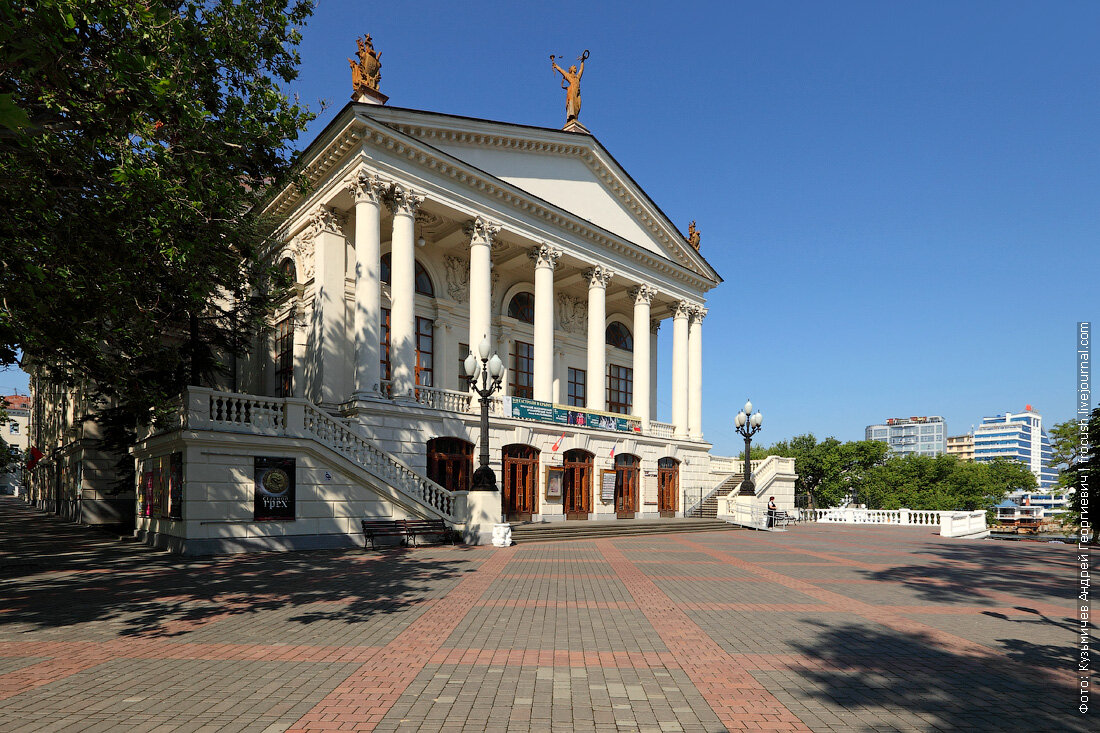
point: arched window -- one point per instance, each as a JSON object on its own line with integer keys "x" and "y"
{"x": 287, "y": 270}
{"x": 618, "y": 335}
{"x": 423, "y": 282}
{"x": 522, "y": 307}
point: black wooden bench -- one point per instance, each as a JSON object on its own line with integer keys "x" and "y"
{"x": 437, "y": 527}
{"x": 780, "y": 518}
{"x": 383, "y": 528}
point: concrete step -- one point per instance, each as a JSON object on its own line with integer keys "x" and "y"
{"x": 580, "y": 529}
{"x": 709, "y": 508}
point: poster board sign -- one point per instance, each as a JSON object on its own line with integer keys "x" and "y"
{"x": 525, "y": 409}
{"x": 146, "y": 508}
{"x": 555, "y": 479}
{"x": 608, "y": 477}
{"x": 175, "y": 486}
{"x": 273, "y": 492}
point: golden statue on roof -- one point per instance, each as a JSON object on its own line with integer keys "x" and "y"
{"x": 694, "y": 235}
{"x": 571, "y": 82}
{"x": 366, "y": 73}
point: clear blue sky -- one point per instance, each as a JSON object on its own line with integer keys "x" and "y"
{"x": 903, "y": 198}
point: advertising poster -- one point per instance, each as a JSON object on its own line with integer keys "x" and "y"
{"x": 555, "y": 477}
{"x": 607, "y": 484}
{"x": 146, "y": 509}
{"x": 175, "y": 486}
{"x": 526, "y": 409}
{"x": 273, "y": 497}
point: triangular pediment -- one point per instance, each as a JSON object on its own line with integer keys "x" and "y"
{"x": 571, "y": 171}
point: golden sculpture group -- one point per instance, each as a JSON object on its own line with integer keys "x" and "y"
{"x": 366, "y": 73}
{"x": 694, "y": 235}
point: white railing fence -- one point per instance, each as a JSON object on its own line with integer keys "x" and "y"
{"x": 294, "y": 417}
{"x": 723, "y": 464}
{"x": 951, "y": 523}
{"x": 661, "y": 429}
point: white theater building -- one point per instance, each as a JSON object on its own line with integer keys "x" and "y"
{"x": 424, "y": 234}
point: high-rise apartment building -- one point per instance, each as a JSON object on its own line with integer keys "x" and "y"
{"x": 921, "y": 436}
{"x": 1018, "y": 436}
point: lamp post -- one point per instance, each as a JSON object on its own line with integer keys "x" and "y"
{"x": 490, "y": 373}
{"x": 748, "y": 425}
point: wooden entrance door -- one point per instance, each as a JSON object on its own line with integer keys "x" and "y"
{"x": 577, "y": 484}
{"x": 626, "y": 485}
{"x": 668, "y": 485}
{"x": 520, "y": 490}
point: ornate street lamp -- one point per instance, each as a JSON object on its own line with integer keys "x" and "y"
{"x": 490, "y": 373}
{"x": 748, "y": 425}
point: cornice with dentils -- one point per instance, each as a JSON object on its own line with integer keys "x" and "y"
{"x": 379, "y": 134}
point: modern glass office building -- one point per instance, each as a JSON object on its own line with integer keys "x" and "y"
{"x": 1018, "y": 436}
{"x": 921, "y": 436}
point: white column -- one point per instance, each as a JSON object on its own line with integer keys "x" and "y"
{"x": 403, "y": 291}
{"x": 643, "y": 295}
{"x": 481, "y": 233}
{"x": 546, "y": 259}
{"x": 368, "y": 191}
{"x": 327, "y": 348}
{"x": 680, "y": 367}
{"x": 598, "y": 277}
{"x": 695, "y": 373}
{"x": 654, "y": 327}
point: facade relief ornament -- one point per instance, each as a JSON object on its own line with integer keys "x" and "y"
{"x": 325, "y": 220}
{"x": 481, "y": 229}
{"x": 403, "y": 201}
{"x": 643, "y": 293}
{"x": 573, "y": 313}
{"x": 545, "y": 256}
{"x": 654, "y": 325}
{"x": 303, "y": 245}
{"x": 458, "y": 277}
{"x": 598, "y": 275}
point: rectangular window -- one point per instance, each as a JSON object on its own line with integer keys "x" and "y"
{"x": 463, "y": 352}
{"x": 523, "y": 360}
{"x": 620, "y": 389}
{"x": 284, "y": 357}
{"x": 14, "y": 429}
{"x": 425, "y": 336}
{"x": 576, "y": 387}
{"x": 384, "y": 371}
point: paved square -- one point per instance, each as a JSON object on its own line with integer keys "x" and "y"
{"x": 823, "y": 628}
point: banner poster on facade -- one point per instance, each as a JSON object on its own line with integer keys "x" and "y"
{"x": 146, "y": 508}
{"x": 608, "y": 477}
{"x": 175, "y": 486}
{"x": 160, "y": 487}
{"x": 526, "y": 409}
{"x": 273, "y": 497}
{"x": 555, "y": 478}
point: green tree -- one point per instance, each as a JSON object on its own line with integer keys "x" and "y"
{"x": 1085, "y": 473}
{"x": 829, "y": 471}
{"x": 1065, "y": 448}
{"x": 942, "y": 483}
{"x": 137, "y": 141}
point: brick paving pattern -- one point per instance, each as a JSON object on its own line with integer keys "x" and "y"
{"x": 820, "y": 628}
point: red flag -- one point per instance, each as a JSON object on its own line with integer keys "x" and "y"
{"x": 557, "y": 443}
{"x": 35, "y": 456}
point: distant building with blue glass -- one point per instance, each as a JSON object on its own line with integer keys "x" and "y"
{"x": 1017, "y": 436}
{"x": 911, "y": 436}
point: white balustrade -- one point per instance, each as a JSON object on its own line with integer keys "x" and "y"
{"x": 661, "y": 429}
{"x": 443, "y": 399}
{"x": 951, "y": 523}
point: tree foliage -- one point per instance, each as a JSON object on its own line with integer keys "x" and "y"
{"x": 1084, "y": 472}
{"x": 1065, "y": 452}
{"x": 829, "y": 471}
{"x": 136, "y": 141}
{"x": 943, "y": 483}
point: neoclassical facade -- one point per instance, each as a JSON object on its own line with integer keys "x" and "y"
{"x": 421, "y": 235}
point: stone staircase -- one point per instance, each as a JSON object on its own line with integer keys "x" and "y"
{"x": 580, "y": 530}
{"x": 709, "y": 508}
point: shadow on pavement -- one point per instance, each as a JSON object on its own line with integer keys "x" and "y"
{"x": 911, "y": 681}
{"x": 54, "y": 573}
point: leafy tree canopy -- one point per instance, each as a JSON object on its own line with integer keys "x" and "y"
{"x": 136, "y": 141}
{"x": 1065, "y": 449}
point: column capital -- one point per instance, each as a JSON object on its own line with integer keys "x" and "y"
{"x": 643, "y": 294}
{"x": 481, "y": 230}
{"x": 403, "y": 201}
{"x": 598, "y": 276}
{"x": 544, "y": 256}
{"x": 325, "y": 220}
{"x": 368, "y": 187}
{"x": 699, "y": 314}
{"x": 654, "y": 325}
{"x": 684, "y": 309}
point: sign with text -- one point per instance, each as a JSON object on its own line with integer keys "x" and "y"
{"x": 273, "y": 497}
{"x": 608, "y": 478}
{"x": 525, "y": 409}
